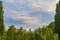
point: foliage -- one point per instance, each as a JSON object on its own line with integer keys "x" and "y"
{"x": 57, "y": 19}
{"x": 52, "y": 26}
{"x": 44, "y": 33}
{"x": 1, "y": 21}
{"x": 11, "y": 33}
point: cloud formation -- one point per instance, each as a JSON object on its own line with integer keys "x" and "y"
{"x": 29, "y": 12}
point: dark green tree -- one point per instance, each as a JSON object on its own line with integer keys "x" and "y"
{"x": 57, "y": 19}
{"x": 1, "y": 20}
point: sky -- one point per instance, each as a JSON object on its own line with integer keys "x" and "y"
{"x": 29, "y": 13}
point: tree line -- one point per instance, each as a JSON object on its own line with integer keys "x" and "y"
{"x": 44, "y": 33}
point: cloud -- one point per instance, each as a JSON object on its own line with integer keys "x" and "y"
{"x": 32, "y": 13}
{"x": 44, "y": 6}
{"x": 27, "y": 19}
{"x": 32, "y": 21}
{"x": 33, "y": 5}
{"x": 22, "y": 15}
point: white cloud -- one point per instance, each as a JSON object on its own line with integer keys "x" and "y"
{"x": 32, "y": 21}
{"x": 27, "y": 19}
{"x": 24, "y": 15}
{"x": 44, "y": 5}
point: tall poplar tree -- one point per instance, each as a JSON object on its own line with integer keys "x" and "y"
{"x": 57, "y": 19}
{"x": 1, "y": 19}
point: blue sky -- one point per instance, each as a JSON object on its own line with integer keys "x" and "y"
{"x": 29, "y": 13}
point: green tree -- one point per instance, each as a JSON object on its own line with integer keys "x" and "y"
{"x": 4, "y": 35}
{"x": 57, "y": 19}
{"x": 37, "y": 33}
{"x": 1, "y": 20}
{"x": 26, "y": 36}
{"x": 31, "y": 35}
{"x": 20, "y": 33}
{"x": 52, "y": 26}
{"x": 45, "y": 33}
{"x": 11, "y": 33}
{"x": 55, "y": 37}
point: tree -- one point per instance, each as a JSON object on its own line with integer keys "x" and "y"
{"x": 1, "y": 20}
{"x": 20, "y": 34}
{"x": 52, "y": 26}
{"x": 55, "y": 37}
{"x": 11, "y": 33}
{"x": 38, "y": 34}
{"x": 45, "y": 33}
{"x": 57, "y": 19}
{"x": 31, "y": 35}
